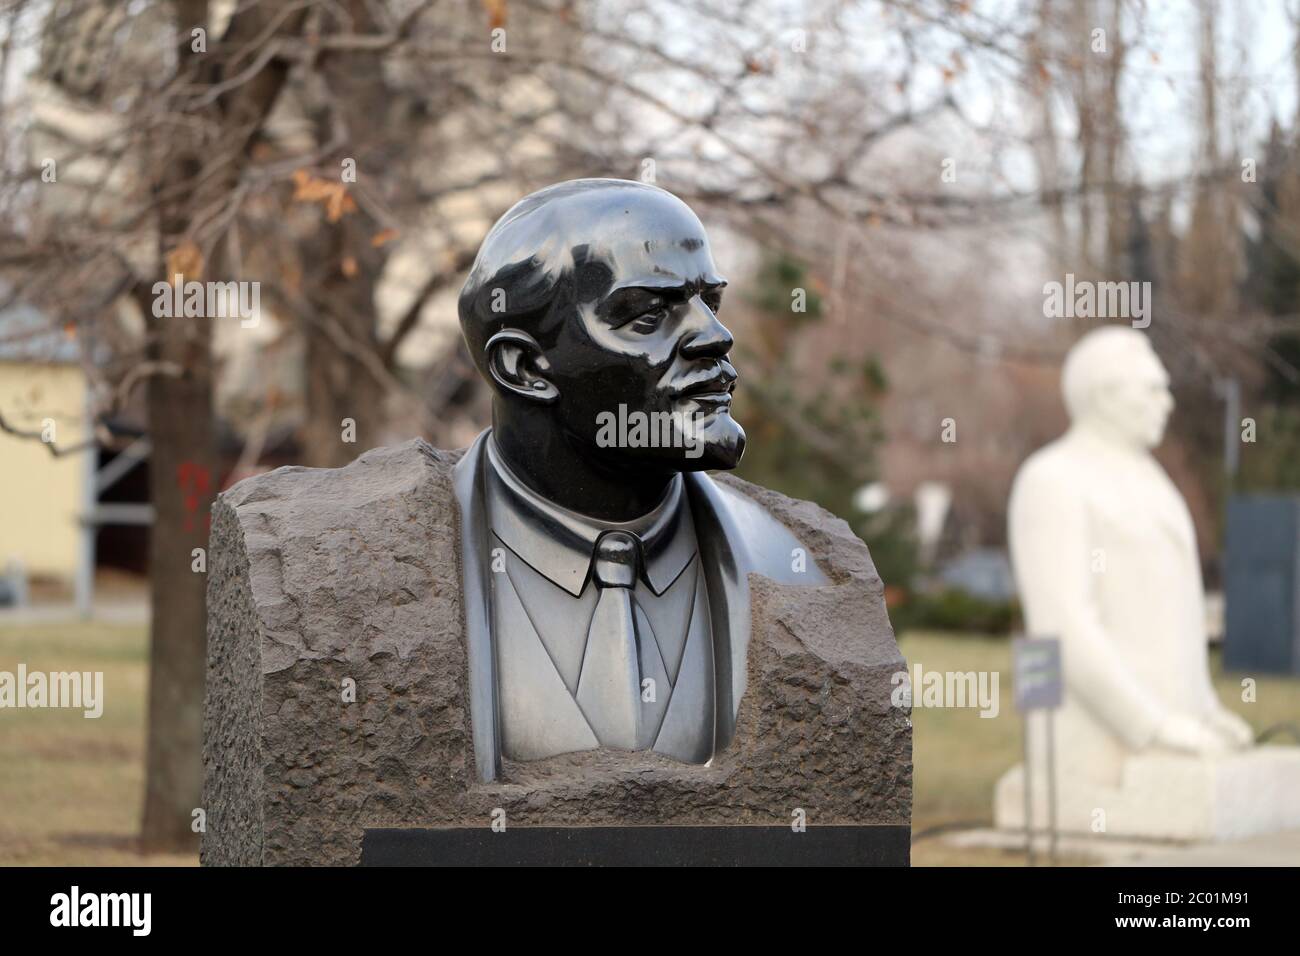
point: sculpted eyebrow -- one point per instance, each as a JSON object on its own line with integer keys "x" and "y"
{"x": 632, "y": 301}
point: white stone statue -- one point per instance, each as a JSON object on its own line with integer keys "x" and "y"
{"x": 1105, "y": 559}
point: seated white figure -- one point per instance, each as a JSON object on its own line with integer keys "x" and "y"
{"x": 1105, "y": 558}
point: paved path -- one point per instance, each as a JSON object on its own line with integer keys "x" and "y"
{"x": 1276, "y": 849}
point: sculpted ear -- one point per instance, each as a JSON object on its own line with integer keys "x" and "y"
{"x": 516, "y": 362}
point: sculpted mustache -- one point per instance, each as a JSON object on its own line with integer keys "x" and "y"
{"x": 721, "y": 379}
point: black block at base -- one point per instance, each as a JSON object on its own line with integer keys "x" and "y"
{"x": 888, "y": 845}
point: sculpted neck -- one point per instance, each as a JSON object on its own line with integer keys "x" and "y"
{"x": 566, "y": 474}
{"x": 1106, "y": 433}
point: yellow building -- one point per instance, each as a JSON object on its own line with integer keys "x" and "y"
{"x": 43, "y": 393}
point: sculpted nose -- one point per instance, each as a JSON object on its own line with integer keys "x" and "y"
{"x": 706, "y": 336}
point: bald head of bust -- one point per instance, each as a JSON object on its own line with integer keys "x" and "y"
{"x": 592, "y": 304}
{"x": 1115, "y": 386}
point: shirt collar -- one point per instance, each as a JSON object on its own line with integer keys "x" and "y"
{"x": 559, "y": 543}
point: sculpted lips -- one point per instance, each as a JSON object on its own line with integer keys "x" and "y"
{"x": 712, "y": 385}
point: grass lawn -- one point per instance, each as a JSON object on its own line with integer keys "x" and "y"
{"x": 71, "y": 787}
{"x": 958, "y": 755}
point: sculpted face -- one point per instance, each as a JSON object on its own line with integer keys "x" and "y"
{"x": 606, "y": 337}
{"x": 641, "y": 364}
{"x": 1130, "y": 397}
{"x": 592, "y": 310}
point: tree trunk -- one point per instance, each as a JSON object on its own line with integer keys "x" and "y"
{"x": 344, "y": 404}
{"x": 341, "y": 334}
{"x": 184, "y": 479}
{"x": 340, "y": 330}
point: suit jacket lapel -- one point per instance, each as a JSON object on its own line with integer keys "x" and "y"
{"x": 475, "y": 555}
{"x": 726, "y": 573}
{"x": 1172, "y": 513}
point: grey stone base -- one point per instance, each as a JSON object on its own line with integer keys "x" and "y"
{"x": 321, "y": 580}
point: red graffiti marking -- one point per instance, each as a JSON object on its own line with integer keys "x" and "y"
{"x": 195, "y": 481}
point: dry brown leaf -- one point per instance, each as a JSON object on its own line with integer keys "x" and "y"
{"x": 339, "y": 204}
{"x": 348, "y": 266}
{"x": 383, "y": 237}
{"x": 496, "y": 11}
{"x": 334, "y": 195}
{"x": 306, "y": 187}
{"x": 185, "y": 260}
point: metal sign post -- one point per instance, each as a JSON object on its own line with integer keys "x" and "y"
{"x": 1036, "y": 667}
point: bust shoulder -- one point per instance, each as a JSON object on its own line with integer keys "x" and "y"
{"x": 1060, "y": 464}
{"x": 771, "y": 530}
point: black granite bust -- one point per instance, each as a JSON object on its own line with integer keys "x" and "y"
{"x": 569, "y": 624}
{"x": 606, "y": 592}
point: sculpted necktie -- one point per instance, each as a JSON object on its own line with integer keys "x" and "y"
{"x": 609, "y": 686}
